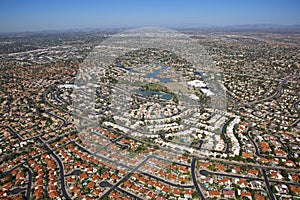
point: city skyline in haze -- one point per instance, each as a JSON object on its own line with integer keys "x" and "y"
{"x": 33, "y": 15}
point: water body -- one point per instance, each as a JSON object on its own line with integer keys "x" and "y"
{"x": 202, "y": 75}
{"x": 155, "y": 73}
{"x": 129, "y": 69}
{"x": 162, "y": 95}
{"x": 122, "y": 67}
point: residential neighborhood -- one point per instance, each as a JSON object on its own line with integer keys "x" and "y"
{"x": 151, "y": 124}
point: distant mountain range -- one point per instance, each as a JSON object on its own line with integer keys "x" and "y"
{"x": 243, "y": 27}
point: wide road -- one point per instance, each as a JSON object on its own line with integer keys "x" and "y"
{"x": 61, "y": 168}
{"x": 268, "y": 184}
{"x": 29, "y": 181}
{"x": 13, "y": 132}
{"x": 224, "y": 135}
{"x": 125, "y": 178}
{"x": 193, "y": 169}
{"x": 254, "y": 144}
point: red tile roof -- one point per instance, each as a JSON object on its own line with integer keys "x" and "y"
{"x": 220, "y": 167}
{"x": 242, "y": 182}
{"x": 91, "y": 184}
{"x": 177, "y": 192}
{"x": 105, "y": 176}
{"x": 228, "y": 193}
{"x": 247, "y": 155}
{"x": 245, "y": 194}
{"x": 213, "y": 193}
{"x": 259, "y": 197}
{"x": 167, "y": 190}
{"x": 295, "y": 189}
{"x": 83, "y": 175}
{"x": 253, "y": 172}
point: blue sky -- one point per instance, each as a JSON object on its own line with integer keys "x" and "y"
{"x": 32, "y": 15}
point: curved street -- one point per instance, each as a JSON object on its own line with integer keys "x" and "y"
{"x": 193, "y": 171}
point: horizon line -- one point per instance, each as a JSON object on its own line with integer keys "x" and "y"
{"x": 256, "y": 26}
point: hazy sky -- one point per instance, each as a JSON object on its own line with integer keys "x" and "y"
{"x": 31, "y": 15}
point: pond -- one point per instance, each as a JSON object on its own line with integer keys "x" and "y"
{"x": 155, "y": 73}
{"x": 162, "y": 95}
